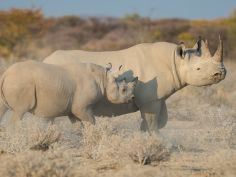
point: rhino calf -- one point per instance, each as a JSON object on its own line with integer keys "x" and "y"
{"x": 50, "y": 91}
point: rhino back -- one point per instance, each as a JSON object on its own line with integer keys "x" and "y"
{"x": 131, "y": 59}
{"x": 150, "y": 62}
{"x": 89, "y": 80}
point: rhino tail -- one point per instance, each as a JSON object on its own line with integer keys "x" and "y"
{"x": 2, "y": 96}
{"x": 34, "y": 101}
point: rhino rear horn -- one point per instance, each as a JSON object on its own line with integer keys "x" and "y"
{"x": 218, "y": 56}
{"x": 205, "y": 49}
{"x": 205, "y": 52}
{"x": 202, "y": 48}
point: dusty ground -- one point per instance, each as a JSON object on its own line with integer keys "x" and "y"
{"x": 199, "y": 140}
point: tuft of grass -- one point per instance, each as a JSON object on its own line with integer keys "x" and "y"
{"x": 43, "y": 140}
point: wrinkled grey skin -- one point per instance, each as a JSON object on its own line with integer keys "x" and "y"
{"x": 163, "y": 68}
{"x": 49, "y": 91}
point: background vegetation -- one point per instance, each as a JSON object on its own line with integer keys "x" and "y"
{"x": 28, "y": 34}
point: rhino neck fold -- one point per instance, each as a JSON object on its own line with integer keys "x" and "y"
{"x": 103, "y": 85}
{"x": 178, "y": 83}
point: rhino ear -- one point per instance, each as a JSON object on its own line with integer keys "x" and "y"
{"x": 108, "y": 67}
{"x": 180, "y": 50}
{"x": 198, "y": 44}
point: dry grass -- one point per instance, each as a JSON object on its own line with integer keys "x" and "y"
{"x": 27, "y": 148}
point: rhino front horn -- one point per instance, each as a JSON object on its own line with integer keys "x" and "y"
{"x": 219, "y": 52}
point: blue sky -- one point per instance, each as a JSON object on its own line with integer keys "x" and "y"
{"x": 190, "y": 9}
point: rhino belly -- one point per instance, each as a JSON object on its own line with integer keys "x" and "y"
{"x": 51, "y": 107}
{"x": 105, "y": 108}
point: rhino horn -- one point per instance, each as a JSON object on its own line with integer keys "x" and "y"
{"x": 202, "y": 47}
{"x": 205, "y": 49}
{"x": 218, "y": 56}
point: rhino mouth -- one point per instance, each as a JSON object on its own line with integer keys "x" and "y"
{"x": 218, "y": 76}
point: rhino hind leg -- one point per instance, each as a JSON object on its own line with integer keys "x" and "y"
{"x": 22, "y": 101}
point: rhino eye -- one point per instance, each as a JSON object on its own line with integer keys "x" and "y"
{"x": 198, "y": 68}
{"x": 123, "y": 90}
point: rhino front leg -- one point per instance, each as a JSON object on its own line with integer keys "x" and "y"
{"x": 16, "y": 116}
{"x": 150, "y": 113}
{"x": 85, "y": 114}
{"x": 163, "y": 115}
{"x": 76, "y": 121}
{"x": 73, "y": 119}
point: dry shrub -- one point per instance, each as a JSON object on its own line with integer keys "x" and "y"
{"x": 42, "y": 140}
{"x": 103, "y": 142}
{"x": 28, "y": 135}
{"x": 148, "y": 149}
{"x": 30, "y": 149}
{"x": 38, "y": 164}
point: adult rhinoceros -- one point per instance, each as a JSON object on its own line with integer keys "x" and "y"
{"x": 162, "y": 69}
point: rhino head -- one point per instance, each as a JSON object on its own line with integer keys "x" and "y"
{"x": 119, "y": 91}
{"x": 198, "y": 67}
